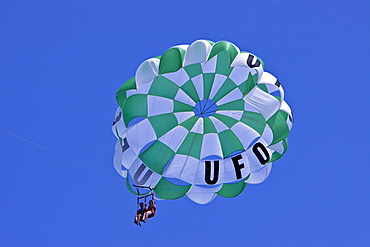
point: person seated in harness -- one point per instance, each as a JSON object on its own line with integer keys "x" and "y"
{"x": 150, "y": 212}
{"x": 140, "y": 213}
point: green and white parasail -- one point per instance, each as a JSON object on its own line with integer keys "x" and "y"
{"x": 201, "y": 120}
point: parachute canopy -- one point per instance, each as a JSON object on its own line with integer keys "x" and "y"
{"x": 201, "y": 120}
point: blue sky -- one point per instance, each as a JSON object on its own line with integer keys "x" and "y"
{"x": 61, "y": 63}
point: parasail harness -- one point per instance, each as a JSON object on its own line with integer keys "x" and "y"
{"x": 142, "y": 199}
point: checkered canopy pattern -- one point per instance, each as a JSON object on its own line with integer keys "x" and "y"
{"x": 200, "y": 120}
